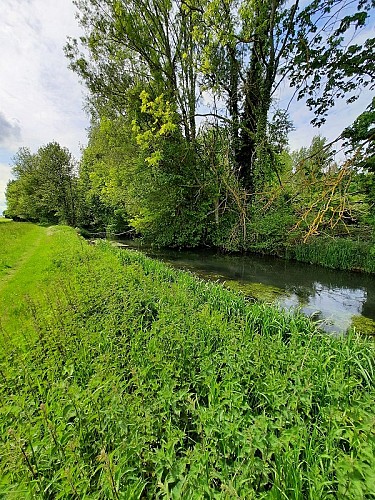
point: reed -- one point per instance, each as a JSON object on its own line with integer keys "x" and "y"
{"x": 337, "y": 253}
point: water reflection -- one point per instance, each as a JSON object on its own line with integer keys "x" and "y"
{"x": 334, "y": 306}
{"x": 334, "y": 297}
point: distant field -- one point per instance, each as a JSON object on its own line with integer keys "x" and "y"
{"x": 122, "y": 378}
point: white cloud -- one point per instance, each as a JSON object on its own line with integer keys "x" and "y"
{"x": 39, "y": 96}
{"x": 5, "y": 175}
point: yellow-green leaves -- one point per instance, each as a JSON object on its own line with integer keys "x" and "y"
{"x": 162, "y": 116}
{"x": 118, "y": 8}
{"x": 160, "y": 110}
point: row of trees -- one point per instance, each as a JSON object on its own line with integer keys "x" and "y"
{"x": 44, "y": 186}
{"x": 229, "y": 181}
{"x": 111, "y": 192}
{"x": 238, "y": 50}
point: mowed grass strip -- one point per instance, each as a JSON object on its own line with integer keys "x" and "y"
{"x": 16, "y": 241}
{"x": 123, "y": 378}
{"x": 27, "y": 248}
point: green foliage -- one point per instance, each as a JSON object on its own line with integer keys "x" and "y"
{"x": 122, "y": 378}
{"x": 168, "y": 204}
{"x": 329, "y": 198}
{"x": 270, "y": 230}
{"x": 242, "y": 47}
{"x": 103, "y": 178}
{"x": 366, "y": 186}
{"x": 162, "y": 116}
{"x": 160, "y": 185}
{"x": 258, "y": 291}
{"x": 326, "y": 64}
{"x": 171, "y": 191}
{"x": 146, "y": 65}
{"x": 127, "y": 45}
{"x": 312, "y": 162}
{"x": 15, "y": 238}
{"x": 365, "y": 326}
{"x": 361, "y": 139}
{"x": 44, "y": 186}
{"x": 233, "y": 49}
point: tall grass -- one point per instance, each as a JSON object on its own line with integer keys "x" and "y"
{"x": 134, "y": 380}
{"x": 337, "y": 253}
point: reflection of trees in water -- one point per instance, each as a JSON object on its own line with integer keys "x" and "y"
{"x": 368, "y": 308}
{"x": 304, "y": 293}
{"x": 346, "y": 300}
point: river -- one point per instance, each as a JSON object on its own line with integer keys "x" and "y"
{"x": 337, "y": 299}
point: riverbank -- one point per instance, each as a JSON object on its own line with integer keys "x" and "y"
{"x": 336, "y": 253}
{"x": 337, "y": 299}
{"x": 345, "y": 254}
{"x": 125, "y": 378}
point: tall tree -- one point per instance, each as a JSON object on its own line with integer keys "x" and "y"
{"x": 104, "y": 176}
{"x": 240, "y": 50}
{"x": 141, "y": 44}
{"x": 251, "y": 46}
{"x": 150, "y": 61}
{"x": 44, "y": 185}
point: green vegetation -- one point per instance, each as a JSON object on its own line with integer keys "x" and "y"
{"x": 337, "y": 253}
{"x": 16, "y": 240}
{"x": 44, "y": 186}
{"x": 364, "y": 325}
{"x": 259, "y": 291}
{"x": 187, "y": 145}
{"x": 123, "y": 378}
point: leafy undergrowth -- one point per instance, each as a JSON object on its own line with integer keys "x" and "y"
{"x": 123, "y": 378}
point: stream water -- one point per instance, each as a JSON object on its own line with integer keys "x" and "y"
{"x": 337, "y": 299}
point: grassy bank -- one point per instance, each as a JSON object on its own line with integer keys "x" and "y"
{"x": 336, "y": 253}
{"x": 123, "y": 378}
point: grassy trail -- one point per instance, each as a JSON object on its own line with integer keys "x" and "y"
{"x": 27, "y": 248}
{"x": 121, "y": 378}
{"x": 21, "y": 269}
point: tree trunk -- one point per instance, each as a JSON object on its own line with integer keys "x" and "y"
{"x": 247, "y": 143}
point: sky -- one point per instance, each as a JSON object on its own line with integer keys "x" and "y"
{"x": 41, "y": 100}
